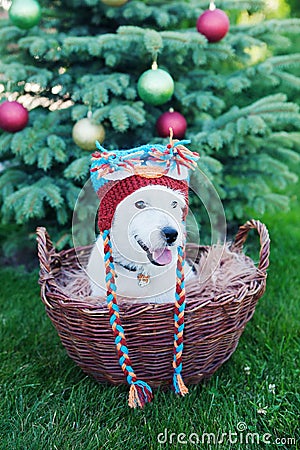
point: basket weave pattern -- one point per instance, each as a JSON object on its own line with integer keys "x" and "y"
{"x": 213, "y": 324}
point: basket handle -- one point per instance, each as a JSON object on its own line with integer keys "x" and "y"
{"x": 46, "y": 251}
{"x": 262, "y": 230}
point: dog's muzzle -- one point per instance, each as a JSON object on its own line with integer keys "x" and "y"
{"x": 161, "y": 256}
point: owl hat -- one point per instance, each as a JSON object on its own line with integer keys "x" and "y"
{"x": 115, "y": 175}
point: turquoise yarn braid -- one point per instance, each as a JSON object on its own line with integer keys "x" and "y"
{"x": 180, "y": 302}
{"x": 140, "y": 393}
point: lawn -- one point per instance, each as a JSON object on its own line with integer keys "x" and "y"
{"x": 48, "y": 403}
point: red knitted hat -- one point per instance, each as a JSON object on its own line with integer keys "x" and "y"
{"x": 113, "y": 192}
{"x": 117, "y": 174}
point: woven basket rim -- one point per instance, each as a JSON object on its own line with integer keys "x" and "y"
{"x": 49, "y": 257}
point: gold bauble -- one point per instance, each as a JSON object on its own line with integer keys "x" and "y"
{"x": 114, "y": 2}
{"x": 85, "y": 134}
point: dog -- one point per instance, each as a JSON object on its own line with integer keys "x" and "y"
{"x": 146, "y": 231}
{"x": 139, "y": 254}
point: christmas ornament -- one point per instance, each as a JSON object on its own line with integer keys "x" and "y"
{"x": 213, "y": 24}
{"x": 85, "y": 134}
{"x": 13, "y": 116}
{"x": 171, "y": 119}
{"x": 25, "y": 14}
{"x": 114, "y": 2}
{"x": 155, "y": 86}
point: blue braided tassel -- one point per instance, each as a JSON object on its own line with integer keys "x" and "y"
{"x": 140, "y": 393}
{"x": 178, "y": 383}
{"x": 175, "y": 383}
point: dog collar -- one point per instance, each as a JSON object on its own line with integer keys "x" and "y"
{"x": 127, "y": 267}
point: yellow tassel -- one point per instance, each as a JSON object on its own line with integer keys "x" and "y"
{"x": 182, "y": 387}
{"x": 133, "y": 400}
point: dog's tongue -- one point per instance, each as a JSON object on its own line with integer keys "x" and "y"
{"x": 162, "y": 256}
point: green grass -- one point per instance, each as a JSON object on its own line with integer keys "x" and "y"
{"x": 48, "y": 403}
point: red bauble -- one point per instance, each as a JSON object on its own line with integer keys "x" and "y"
{"x": 214, "y": 24}
{"x": 13, "y": 116}
{"x": 174, "y": 120}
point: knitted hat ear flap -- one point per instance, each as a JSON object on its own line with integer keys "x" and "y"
{"x": 140, "y": 393}
{"x": 178, "y": 383}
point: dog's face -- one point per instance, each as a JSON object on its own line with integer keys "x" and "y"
{"x": 148, "y": 227}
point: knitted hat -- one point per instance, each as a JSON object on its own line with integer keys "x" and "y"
{"x": 115, "y": 175}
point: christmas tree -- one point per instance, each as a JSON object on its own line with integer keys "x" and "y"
{"x": 68, "y": 61}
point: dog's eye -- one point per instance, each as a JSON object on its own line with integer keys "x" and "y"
{"x": 174, "y": 204}
{"x": 140, "y": 204}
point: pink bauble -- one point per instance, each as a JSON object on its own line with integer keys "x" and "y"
{"x": 213, "y": 24}
{"x": 174, "y": 120}
{"x": 13, "y": 116}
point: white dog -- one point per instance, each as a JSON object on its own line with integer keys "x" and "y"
{"x": 146, "y": 230}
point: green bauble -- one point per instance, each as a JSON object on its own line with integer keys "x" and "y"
{"x": 25, "y": 14}
{"x": 114, "y": 2}
{"x": 85, "y": 134}
{"x": 155, "y": 86}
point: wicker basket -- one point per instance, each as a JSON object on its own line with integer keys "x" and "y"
{"x": 213, "y": 323}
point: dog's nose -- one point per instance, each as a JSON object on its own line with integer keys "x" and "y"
{"x": 170, "y": 234}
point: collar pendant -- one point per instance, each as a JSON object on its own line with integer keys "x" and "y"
{"x": 143, "y": 279}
